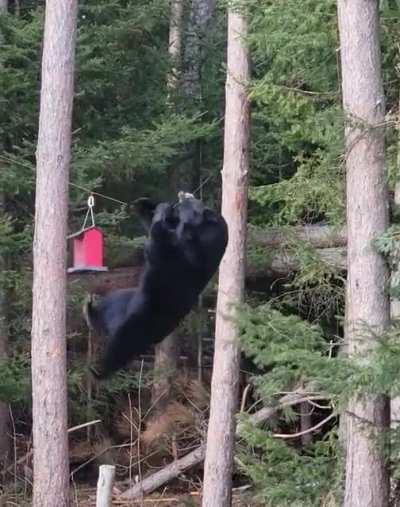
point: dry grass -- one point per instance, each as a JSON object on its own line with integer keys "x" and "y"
{"x": 175, "y": 421}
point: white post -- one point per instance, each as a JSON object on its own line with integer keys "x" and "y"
{"x": 105, "y": 485}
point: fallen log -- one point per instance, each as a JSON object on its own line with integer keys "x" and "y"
{"x": 103, "y": 282}
{"x": 284, "y": 263}
{"x": 177, "y": 467}
{"x": 275, "y": 265}
{"x": 123, "y": 254}
{"x": 319, "y": 236}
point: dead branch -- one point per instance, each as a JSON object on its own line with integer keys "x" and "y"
{"x": 305, "y": 432}
{"x": 83, "y": 425}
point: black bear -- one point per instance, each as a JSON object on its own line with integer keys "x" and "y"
{"x": 183, "y": 250}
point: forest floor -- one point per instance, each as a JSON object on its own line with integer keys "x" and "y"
{"x": 86, "y": 497}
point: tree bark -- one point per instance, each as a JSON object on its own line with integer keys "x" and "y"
{"x": 175, "y": 42}
{"x": 367, "y": 305}
{"x": 305, "y": 424}
{"x": 49, "y": 381}
{"x": 3, "y": 6}
{"x": 225, "y": 379}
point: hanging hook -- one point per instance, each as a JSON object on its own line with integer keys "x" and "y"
{"x": 90, "y": 204}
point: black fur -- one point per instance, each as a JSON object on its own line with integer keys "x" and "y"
{"x": 183, "y": 251}
{"x": 145, "y": 210}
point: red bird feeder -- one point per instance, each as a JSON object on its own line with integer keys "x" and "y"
{"x": 87, "y": 246}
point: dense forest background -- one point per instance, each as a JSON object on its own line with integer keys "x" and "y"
{"x": 134, "y": 135}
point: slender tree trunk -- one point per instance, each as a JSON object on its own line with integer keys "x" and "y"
{"x": 225, "y": 380}
{"x": 395, "y": 283}
{"x": 201, "y": 12}
{"x": 165, "y": 366}
{"x": 4, "y": 410}
{"x": 167, "y": 352}
{"x": 49, "y": 382}
{"x": 200, "y": 16}
{"x": 367, "y": 304}
{"x": 175, "y": 42}
{"x": 305, "y": 423}
{"x": 198, "y": 29}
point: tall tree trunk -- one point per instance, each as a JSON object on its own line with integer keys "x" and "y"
{"x": 4, "y": 411}
{"x": 367, "y": 304}
{"x": 200, "y": 16}
{"x": 175, "y": 42}
{"x": 167, "y": 352}
{"x": 225, "y": 379}
{"x": 201, "y": 12}
{"x": 395, "y": 279}
{"x": 166, "y": 367}
{"x": 49, "y": 381}
{"x": 395, "y": 303}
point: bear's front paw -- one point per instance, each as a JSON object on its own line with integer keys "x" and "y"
{"x": 184, "y": 195}
{"x": 165, "y": 213}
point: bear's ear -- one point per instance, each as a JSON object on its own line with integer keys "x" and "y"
{"x": 209, "y": 215}
{"x": 145, "y": 208}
